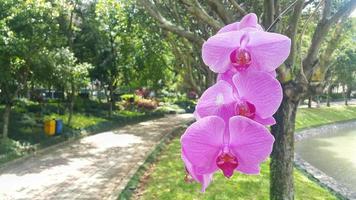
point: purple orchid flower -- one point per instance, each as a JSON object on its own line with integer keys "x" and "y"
{"x": 245, "y": 46}
{"x": 257, "y": 95}
{"x": 211, "y": 144}
{"x": 230, "y": 133}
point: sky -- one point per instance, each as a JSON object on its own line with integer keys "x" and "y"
{"x": 353, "y": 14}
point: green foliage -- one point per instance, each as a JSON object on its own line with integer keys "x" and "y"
{"x": 345, "y": 67}
{"x": 24, "y": 25}
{"x": 186, "y": 104}
{"x": 127, "y": 97}
{"x": 124, "y": 45}
{"x": 69, "y": 73}
{"x": 10, "y": 149}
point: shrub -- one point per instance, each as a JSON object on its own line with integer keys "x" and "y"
{"x": 186, "y": 104}
{"x": 142, "y": 92}
{"x": 147, "y": 104}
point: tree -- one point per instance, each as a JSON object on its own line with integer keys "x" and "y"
{"x": 200, "y": 20}
{"x": 323, "y": 74}
{"x": 345, "y": 71}
{"x": 70, "y": 75}
{"x": 123, "y": 45}
{"x": 25, "y": 28}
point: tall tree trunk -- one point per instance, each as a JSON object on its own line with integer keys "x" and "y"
{"x": 111, "y": 100}
{"x": 348, "y": 92}
{"x": 328, "y": 96}
{"x": 71, "y": 105}
{"x": 310, "y": 101}
{"x": 70, "y": 115}
{"x": 6, "y": 120}
{"x": 318, "y": 101}
{"x": 282, "y": 157}
{"x": 345, "y": 95}
{"x": 346, "y": 101}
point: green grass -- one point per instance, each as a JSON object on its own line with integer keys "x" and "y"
{"x": 79, "y": 120}
{"x": 308, "y": 117}
{"x": 166, "y": 180}
{"x": 128, "y": 113}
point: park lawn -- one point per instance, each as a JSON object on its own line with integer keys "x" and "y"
{"x": 309, "y": 117}
{"x": 166, "y": 179}
{"x": 79, "y": 120}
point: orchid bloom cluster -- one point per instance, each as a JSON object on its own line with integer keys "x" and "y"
{"x": 230, "y": 133}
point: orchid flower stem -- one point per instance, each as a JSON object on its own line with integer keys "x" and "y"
{"x": 281, "y": 15}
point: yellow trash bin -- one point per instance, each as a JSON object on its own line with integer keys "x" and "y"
{"x": 50, "y": 127}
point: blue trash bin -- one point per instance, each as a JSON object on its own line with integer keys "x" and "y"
{"x": 59, "y": 126}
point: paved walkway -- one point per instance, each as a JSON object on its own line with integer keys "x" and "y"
{"x": 94, "y": 167}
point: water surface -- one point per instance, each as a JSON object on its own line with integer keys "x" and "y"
{"x": 334, "y": 153}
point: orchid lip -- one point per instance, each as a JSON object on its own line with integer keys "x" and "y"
{"x": 240, "y": 59}
{"x": 227, "y": 162}
{"x": 246, "y": 109}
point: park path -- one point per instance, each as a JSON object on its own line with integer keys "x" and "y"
{"x": 94, "y": 167}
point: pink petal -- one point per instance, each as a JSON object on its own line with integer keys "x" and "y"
{"x": 202, "y": 179}
{"x": 273, "y": 73}
{"x": 230, "y": 27}
{"x": 227, "y": 76}
{"x": 249, "y": 20}
{"x": 216, "y": 50}
{"x": 267, "y": 121}
{"x": 247, "y": 23}
{"x": 250, "y": 142}
{"x": 217, "y": 100}
{"x": 189, "y": 168}
{"x": 260, "y": 89}
{"x": 207, "y": 178}
{"x": 202, "y": 142}
{"x": 268, "y": 50}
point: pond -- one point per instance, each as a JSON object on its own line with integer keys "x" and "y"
{"x": 333, "y": 152}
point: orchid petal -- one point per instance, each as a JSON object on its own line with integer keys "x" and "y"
{"x": 273, "y": 73}
{"x": 216, "y": 50}
{"x": 250, "y": 142}
{"x": 201, "y": 144}
{"x": 249, "y": 20}
{"x": 227, "y": 76}
{"x": 217, "y": 100}
{"x": 207, "y": 178}
{"x": 267, "y": 121}
{"x": 260, "y": 89}
{"x": 230, "y": 27}
{"x": 204, "y": 179}
{"x": 247, "y": 23}
{"x": 268, "y": 50}
{"x": 189, "y": 168}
